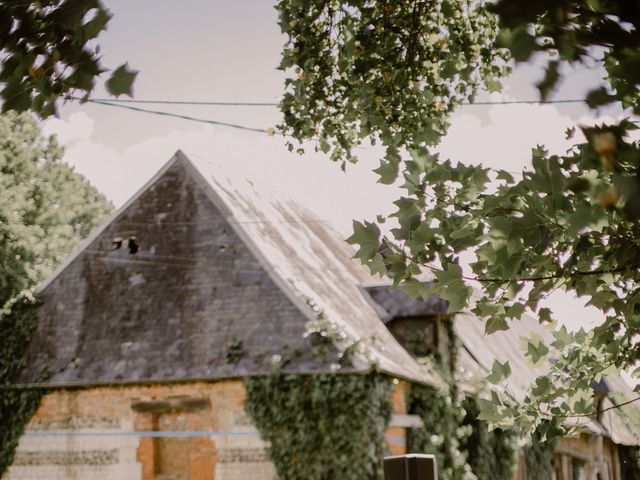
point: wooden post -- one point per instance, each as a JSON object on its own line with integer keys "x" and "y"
{"x": 413, "y": 466}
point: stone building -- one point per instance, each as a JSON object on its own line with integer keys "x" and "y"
{"x": 150, "y": 327}
{"x": 194, "y": 284}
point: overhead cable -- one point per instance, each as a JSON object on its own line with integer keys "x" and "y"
{"x": 177, "y": 115}
{"x": 122, "y": 103}
{"x": 275, "y": 104}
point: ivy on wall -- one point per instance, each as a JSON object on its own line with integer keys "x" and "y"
{"x": 442, "y": 432}
{"x": 463, "y": 445}
{"x": 18, "y": 321}
{"x": 322, "y": 427}
{"x": 538, "y": 458}
{"x": 490, "y": 454}
{"x": 442, "y": 415}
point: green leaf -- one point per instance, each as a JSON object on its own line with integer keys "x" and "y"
{"x": 495, "y": 324}
{"x": 582, "y": 217}
{"x": 544, "y": 315}
{"x": 121, "y": 81}
{"x": 499, "y": 372}
{"x": 519, "y": 41}
{"x": 548, "y": 83}
{"x": 452, "y": 288}
{"x": 377, "y": 266}
{"x": 414, "y": 289}
{"x": 367, "y": 237}
{"x": 388, "y": 172}
{"x": 599, "y": 96}
{"x": 97, "y": 24}
{"x": 504, "y": 175}
{"x": 562, "y": 338}
{"x": 542, "y": 386}
{"x": 493, "y": 85}
{"x": 535, "y": 349}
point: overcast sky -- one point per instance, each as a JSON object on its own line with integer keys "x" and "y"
{"x": 227, "y": 50}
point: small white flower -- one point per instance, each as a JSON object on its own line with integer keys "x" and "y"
{"x": 275, "y": 359}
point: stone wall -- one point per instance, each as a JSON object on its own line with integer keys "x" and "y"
{"x": 143, "y": 433}
{"x": 195, "y": 430}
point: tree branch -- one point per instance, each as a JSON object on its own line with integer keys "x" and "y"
{"x": 583, "y": 415}
{"x": 551, "y": 277}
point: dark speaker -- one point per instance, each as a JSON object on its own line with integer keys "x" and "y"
{"x": 413, "y": 466}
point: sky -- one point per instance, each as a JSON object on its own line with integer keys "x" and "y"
{"x": 227, "y": 51}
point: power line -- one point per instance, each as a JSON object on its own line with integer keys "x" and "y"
{"x": 126, "y": 105}
{"x": 524, "y": 102}
{"x": 183, "y": 102}
{"x": 275, "y": 104}
{"x": 177, "y": 115}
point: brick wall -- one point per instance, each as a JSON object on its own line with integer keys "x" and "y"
{"x": 396, "y": 434}
{"x": 110, "y": 433}
{"x": 113, "y": 439}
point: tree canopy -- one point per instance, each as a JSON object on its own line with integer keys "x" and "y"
{"x": 45, "y": 210}
{"x": 391, "y": 73}
{"x": 45, "y": 207}
{"x": 48, "y": 52}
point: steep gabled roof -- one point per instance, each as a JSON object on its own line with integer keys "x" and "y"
{"x": 221, "y": 281}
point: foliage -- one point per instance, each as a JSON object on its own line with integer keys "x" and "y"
{"x": 490, "y": 454}
{"x": 538, "y": 458}
{"x": 569, "y": 31}
{"x": 17, "y": 322}
{"x": 49, "y": 51}
{"x": 390, "y": 70}
{"x": 442, "y": 414}
{"x": 442, "y": 433}
{"x": 362, "y": 70}
{"x": 321, "y": 427}
{"x": 463, "y": 444}
{"x": 45, "y": 209}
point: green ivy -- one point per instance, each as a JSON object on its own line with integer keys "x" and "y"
{"x": 463, "y": 445}
{"x": 17, "y": 322}
{"x": 491, "y": 454}
{"x": 538, "y": 458}
{"x": 442, "y": 433}
{"x": 322, "y": 427}
{"x": 442, "y": 414}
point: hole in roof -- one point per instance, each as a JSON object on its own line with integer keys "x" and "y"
{"x": 133, "y": 245}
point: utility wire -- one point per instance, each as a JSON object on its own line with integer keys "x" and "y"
{"x": 177, "y": 115}
{"x": 275, "y": 104}
{"x": 182, "y": 102}
{"x": 126, "y": 104}
{"x": 524, "y": 102}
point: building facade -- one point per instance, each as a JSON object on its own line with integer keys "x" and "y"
{"x": 198, "y": 282}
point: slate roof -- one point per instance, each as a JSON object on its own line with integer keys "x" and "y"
{"x": 393, "y": 303}
{"x": 224, "y": 283}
